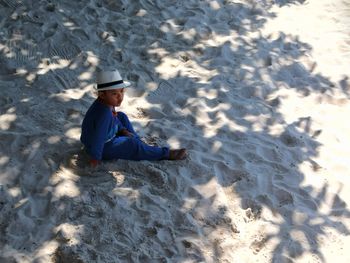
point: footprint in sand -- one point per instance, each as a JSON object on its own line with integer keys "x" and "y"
{"x": 11, "y": 3}
{"x": 51, "y": 7}
{"x": 50, "y": 30}
{"x": 289, "y": 140}
{"x": 157, "y": 177}
{"x": 164, "y": 91}
{"x": 40, "y": 206}
{"x": 268, "y": 61}
{"x": 228, "y": 176}
{"x": 23, "y": 52}
{"x": 5, "y": 101}
{"x": 283, "y": 197}
{"x": 258, "y": 244}
{"x": 253, "y": 209}
{"x": 65, "y": 253}
{"x": 77, "y": 161}
{"x": 66, "y": 49}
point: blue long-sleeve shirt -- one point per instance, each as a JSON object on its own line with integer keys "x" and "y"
{"x": 99, "y": 126}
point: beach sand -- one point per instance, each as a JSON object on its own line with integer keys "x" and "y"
{"x": 257, "y": 91}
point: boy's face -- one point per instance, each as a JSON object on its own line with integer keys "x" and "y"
{"x": 113, "y": 97}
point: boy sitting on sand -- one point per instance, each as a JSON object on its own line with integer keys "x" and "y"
{"x": 108, "y": 134}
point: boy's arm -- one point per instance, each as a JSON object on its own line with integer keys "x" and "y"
{"x": 101, "y": 126}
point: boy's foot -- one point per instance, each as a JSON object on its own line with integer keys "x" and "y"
{"x": 179, "y": 154}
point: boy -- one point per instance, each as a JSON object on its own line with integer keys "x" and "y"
{"x": 107, "y": 134}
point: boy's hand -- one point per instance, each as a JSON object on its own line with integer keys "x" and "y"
{"x": 176, "y": 155}
{"x": 125, "y": 132}
{"x": 94, "y": 163}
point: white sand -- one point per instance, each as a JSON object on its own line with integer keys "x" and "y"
{"x": 258, "y": 91}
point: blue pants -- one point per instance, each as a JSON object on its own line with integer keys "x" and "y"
{"x": 132, "y": 148}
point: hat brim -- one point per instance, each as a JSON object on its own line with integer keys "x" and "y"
{"x": 125, "y": 84}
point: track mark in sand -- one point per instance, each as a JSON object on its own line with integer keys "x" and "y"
{"x": 34, "y": 19}
{"x": 141, "y": 113}
{"x": 77, "y": 161}
{"x": 258, "y": 244}
{"x": 221, "y": 219}
{"x": 283, "y": 197}
{"x": 117, "y": 55}
{"x": 51, "y": 30}
{"x": 11, "y": 3}
{"x": 40, "y": 206}
{"x": 289, "y": 140}
{"x": 338, "y": 206}
{"x": 50, "y": 7}
{"x": 165, "y": 90}
{"x": 81, "y": 34}
{"x": 133, "y": 77}
{"x": 115, "y": 6}
{"x": 66, "y": 51}
{"x": 270, "y": 154}
{"x": 65, "y": 253}
{"x": 21, "y": 52}
{"x": 253, "y": 209}
{"x": 59, "y": 80}
{"x": 252, "y": 157}
{"x": 66, "y": 78}
{"x": 228, "y": 176}
{"x": 42, "y": 80}
{"x": 157, "y": 177}
{"x": 310, "y": 203}
{"x": 5, "y": 100}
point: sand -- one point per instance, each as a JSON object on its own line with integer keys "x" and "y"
{"x": 257, "y": 91}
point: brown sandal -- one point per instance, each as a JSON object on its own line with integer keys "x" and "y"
{"x": 179, "y": 154}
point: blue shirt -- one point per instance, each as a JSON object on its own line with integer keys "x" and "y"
{"x": 99, "y": 126}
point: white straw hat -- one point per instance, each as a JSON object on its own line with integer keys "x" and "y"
{"x": 107, "y": 80}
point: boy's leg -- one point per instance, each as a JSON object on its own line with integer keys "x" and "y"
{"x": 133, "y": 149}
{"x": 123, "y": 118}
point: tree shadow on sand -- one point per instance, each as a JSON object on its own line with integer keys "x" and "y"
{"x": 127, "y": 211}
